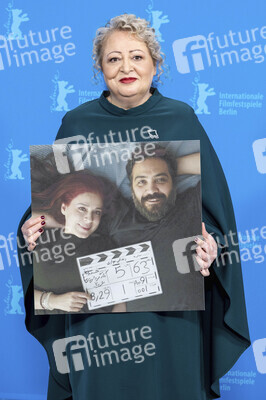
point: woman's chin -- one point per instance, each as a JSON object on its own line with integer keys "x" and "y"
{"x": 82, "y": 235}
{"x": 79, "y": 234}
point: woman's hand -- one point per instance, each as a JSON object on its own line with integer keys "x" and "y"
{"x": 32, "y": 230}
{"x": 71, "y": 301}
{"x": 206, "y": 251}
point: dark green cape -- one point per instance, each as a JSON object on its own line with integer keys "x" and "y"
{"x": 206, "y": 343}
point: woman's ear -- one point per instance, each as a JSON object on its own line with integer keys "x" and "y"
{"x": 63, "y": 209}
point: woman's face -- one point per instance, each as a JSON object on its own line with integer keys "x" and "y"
{"x": 125, "y": 56}
{"x": 83, "y": 214}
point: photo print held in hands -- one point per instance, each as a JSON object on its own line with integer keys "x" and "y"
{"x": 120, "y": 223}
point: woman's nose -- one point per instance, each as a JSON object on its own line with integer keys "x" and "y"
{"x": 88, "y": 217}
{"x": 126, "y": 65}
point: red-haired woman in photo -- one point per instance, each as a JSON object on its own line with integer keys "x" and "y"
{"x": 75, "y": 203}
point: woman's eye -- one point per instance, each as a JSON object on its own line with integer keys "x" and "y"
{"x": 98, "y": 212}
{"x": 113, "y": 59}
{"x": 82, "y": 209}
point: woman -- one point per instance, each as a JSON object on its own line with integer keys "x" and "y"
{"x": 194, "y": 349}
{"x": 75, "y": 202}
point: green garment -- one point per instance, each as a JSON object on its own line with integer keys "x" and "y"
{"x": 193, "y": 349}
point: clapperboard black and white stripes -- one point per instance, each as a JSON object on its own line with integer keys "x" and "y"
{"x": 120, "y": 275}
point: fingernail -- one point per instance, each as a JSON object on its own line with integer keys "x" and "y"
{"x": 42, "y": 217}
{"x": 196, "y": 239}
{"x": 41, "y": 230}
{"x": 43, "y": 223}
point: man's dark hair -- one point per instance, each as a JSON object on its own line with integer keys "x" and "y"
{"x": 158, "y": 152}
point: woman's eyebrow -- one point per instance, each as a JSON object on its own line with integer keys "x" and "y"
{"x": 87, "y": 205}
{"x": 116, "y": 51}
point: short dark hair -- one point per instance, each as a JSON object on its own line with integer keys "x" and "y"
{"x": 158, "y": 152}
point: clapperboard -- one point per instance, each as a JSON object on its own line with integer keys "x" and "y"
{"x": 120, "y": 275}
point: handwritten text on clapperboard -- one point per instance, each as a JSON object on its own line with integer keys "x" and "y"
{"x": 120, "y": 275}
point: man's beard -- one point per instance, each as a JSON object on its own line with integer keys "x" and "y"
{"x": 156, "y": 211}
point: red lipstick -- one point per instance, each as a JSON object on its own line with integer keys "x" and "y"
{"x": 127, "y": 80}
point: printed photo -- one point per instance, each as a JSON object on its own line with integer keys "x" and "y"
{"x": 120, "y": 226}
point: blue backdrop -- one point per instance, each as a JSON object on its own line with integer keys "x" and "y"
{"x": 216, "y": 54}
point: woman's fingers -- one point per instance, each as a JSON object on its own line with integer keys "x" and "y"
{"x": 29, "y": 233}
{"x": 32, "y": 239}
{"x": 209, "y": 239}
{"x": 203, "y": 244}
{"x": 82, "y": 295}
{"x": 207, "y": 236}
{"x": 30, "y": 226}
{"x": 204, "y": 232}
{"x": 202, "y": 263}
{"x": 204, "y": 267}
{"x": 205, "y": 272}
{"x": 209, "y": 246}
{"x": 203, "y": 255}
{"x": 31, "y": 246}
{"x": 79, "y": 299}
{"x": 206, "y": 251}
{"x": 32, "y": 229}
{"x": 78, "y": 302}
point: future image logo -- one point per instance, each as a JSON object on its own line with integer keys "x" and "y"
{"x": 191, "y": 54}
{"x": 197, "y": 53}
{"x": 8, "y": 251}
{"x": 185, "y": 255}
{"x": 61, "y": 90}
{"x": 13, "y": 165}
{"x": 200, "y": 96}
{"x": 77, "y": 347}
{"x": 80, "y": 352}
{"x": 259, "y": 349}
{"x": 18, "y": 49}
{"x": 259, "y": 150}
{"x": 71, "y": 157}
{"x": 157, "y": 18}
